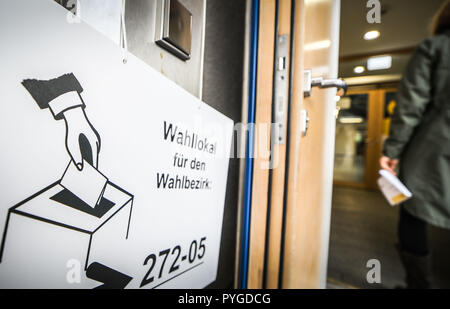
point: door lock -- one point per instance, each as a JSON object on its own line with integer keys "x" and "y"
{"x": 304, "y": 121}
{"x": 310, "y": 82}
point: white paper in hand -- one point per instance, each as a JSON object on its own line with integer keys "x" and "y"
{"x": 88, "y": 185}
{"x": 393, "y": 189}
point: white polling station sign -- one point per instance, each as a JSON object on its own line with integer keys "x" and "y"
{"x": 154, "y": 156}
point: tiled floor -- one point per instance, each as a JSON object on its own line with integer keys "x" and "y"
{"x": 363, "y": 227}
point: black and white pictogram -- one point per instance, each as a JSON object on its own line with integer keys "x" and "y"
{"x": 84, "y": 208}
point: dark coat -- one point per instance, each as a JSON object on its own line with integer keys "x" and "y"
{"x": 420, "y": 131}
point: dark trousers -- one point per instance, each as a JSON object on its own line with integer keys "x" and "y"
{"x": 412, "y": 234}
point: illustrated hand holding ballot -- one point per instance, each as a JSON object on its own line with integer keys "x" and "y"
{"x": 82, "y": 140}
{"x": 62, "y": 96}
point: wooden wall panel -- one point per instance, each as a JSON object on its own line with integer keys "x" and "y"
{"x": 311, "y": 164}
{"x": 374, "y": 143}
{"x": 262, "y": 143}
{"x": 278, "y": 174}
{"x": 290, "y": 253}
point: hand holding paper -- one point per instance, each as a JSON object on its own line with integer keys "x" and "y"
{"x": 393, "y": 189}
{"x": 82, "y": 140}
{"x": 389, "y": 164}
{"x": 88, "y": 184}
{"x": 62, "y": 95}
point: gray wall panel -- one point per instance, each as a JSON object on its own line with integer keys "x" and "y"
{"x": 222, "y": 89}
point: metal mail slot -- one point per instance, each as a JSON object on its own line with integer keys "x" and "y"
{"x": 173, "y": 28}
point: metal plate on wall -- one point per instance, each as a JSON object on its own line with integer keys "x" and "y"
{"x": 140, "y": 19}
{"x": 174, "y": 28}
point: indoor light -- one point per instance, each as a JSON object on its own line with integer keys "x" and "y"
{"x": 371, "y": 35}
{"x": 351, "y": 120}
{"x": 359, "y": 69}
{"x": 317, "y": 45}
{"x": 379, "y": 63}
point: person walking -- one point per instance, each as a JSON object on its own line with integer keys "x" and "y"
{"x": 419, "y": 144}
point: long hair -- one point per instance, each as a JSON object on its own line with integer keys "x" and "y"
{"x": 441, "y": 20}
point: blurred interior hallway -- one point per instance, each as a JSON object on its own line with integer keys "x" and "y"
{"x": 364, "y": 227}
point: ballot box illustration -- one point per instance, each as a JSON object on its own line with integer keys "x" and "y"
{"x": 48, "y": 231}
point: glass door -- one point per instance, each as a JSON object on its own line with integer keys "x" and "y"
{"x": 351, "y": 135}
{"x": 362, "y": 126}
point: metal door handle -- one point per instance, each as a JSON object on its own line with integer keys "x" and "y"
{"x": 310, "y": 82}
